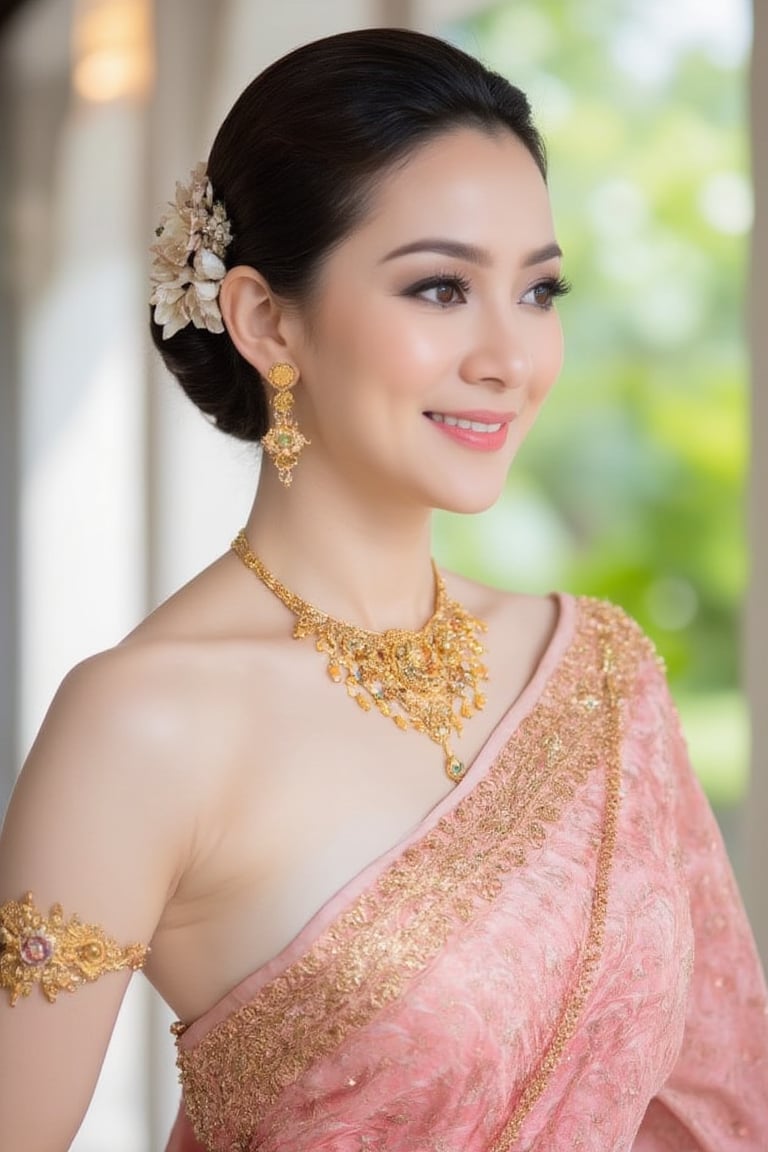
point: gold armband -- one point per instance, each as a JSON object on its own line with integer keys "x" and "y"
{"x": 58, "y": 955}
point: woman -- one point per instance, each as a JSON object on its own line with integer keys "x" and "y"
{"x": 472, "y": 928}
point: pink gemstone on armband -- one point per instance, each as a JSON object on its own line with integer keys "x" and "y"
{"x": 36, "y": 949}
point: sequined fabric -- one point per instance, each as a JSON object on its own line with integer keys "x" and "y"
{"x": 520, "y": 973}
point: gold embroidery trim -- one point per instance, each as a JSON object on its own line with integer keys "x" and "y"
{"x": 366, "y": 958}
{"x": 592, "y": 951}
{"x": 60, "y": 955}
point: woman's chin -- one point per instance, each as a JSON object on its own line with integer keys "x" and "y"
{"x": 470, "y": 499}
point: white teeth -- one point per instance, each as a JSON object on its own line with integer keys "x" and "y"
{"x": 455, "y": 422}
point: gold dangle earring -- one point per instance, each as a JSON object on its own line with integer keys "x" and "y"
{"x": 284, "y": 441}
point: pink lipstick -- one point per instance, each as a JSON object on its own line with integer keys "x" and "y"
{"x": 480, "y": 429}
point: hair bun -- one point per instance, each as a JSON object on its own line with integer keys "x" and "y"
{"x": 217, "y": 379}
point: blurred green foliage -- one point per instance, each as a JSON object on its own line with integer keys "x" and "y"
{"x": 631, "y": 486}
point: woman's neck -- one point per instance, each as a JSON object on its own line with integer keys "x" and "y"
{"x": 368, "y": 565}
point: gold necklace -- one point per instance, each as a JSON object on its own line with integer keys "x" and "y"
{"x": 427, "y": 680}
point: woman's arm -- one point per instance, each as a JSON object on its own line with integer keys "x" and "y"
{"x": 716, "y": 1099}
{"x": 97, "y": 825}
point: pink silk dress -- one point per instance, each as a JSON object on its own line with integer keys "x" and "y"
{"x": 555, "y": 960}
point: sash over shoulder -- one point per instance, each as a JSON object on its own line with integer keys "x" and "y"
{"x": 369, "y": 957}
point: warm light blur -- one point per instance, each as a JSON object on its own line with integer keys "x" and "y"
{"x": 112, "y": 49}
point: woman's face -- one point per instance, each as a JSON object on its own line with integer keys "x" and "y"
{"x": 432, "y": 340}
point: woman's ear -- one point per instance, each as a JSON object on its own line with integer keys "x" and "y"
{"x": 252, "y": 316}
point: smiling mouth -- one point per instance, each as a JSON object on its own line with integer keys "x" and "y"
{"x": 465, "y": 423}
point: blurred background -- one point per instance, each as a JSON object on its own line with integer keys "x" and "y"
{"x": 637, "y": 483}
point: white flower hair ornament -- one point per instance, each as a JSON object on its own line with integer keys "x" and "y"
{"x": 188, "y": 264}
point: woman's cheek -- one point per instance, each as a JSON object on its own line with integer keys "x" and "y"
{"x": 551, "y": 359}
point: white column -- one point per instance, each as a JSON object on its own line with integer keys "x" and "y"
{"x": 9, "y": 632}
{"x": 81, "y": 412}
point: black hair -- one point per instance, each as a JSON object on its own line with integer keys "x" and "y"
{"x": 295, "y": 161}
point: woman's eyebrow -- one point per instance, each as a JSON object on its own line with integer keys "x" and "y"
{"x": 541, "y": 255}
{"x": 469, "y": 252}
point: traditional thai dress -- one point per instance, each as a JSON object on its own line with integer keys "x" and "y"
{"x": 556, "y": 959}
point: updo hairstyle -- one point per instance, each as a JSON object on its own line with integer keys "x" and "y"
{"x": 295, "y": 163}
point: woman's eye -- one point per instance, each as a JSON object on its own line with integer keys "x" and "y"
{"x": 443, "y": 290}
{"x": 446, "y": 293}
{"x": 544, "y": 294}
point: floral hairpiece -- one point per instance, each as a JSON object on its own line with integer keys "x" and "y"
{"x": 188, "y": 264}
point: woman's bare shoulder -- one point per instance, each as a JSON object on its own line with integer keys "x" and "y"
{"x": 519, "y": 614}
{"x": 132, "y": 756}
{"x": 158, "y": 699}
{"x": 111, "y": 746}
{"x": 221, "y": 603}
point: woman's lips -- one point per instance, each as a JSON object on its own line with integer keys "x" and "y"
{"x": 482, "y": 430}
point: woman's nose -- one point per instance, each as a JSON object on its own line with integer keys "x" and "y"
{"x": 499, "y": 353}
